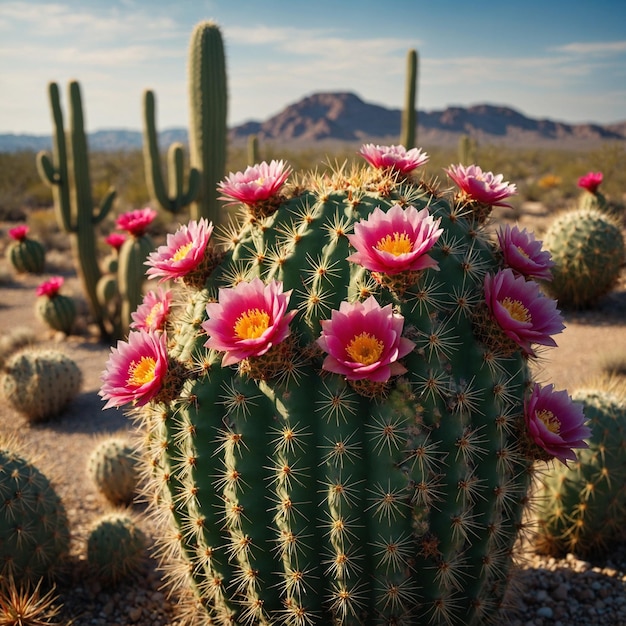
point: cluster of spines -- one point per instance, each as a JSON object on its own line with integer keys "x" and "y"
{"x": 235, "y": 553}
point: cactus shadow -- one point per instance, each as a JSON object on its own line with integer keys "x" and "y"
{"x": 608, "y": 311}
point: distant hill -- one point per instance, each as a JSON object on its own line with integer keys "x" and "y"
{"x": 344, "y": 117}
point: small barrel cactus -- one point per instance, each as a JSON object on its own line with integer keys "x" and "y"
{"x": 582, "y": 508}
{"x": 39, "y": 383}
{"x": 116, "y": 548}
{"x": 587, "y": 248}
{"x": 34, "y": 530}
{"x": 27, "y": 256}
{"x": 340, "y": 416}
{"x": 53, "y": 308}
{"x": 113, "y": 468}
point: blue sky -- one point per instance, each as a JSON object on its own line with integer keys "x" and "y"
{"x": 561, "y": 60}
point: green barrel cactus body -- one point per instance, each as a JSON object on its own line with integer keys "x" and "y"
{"x": 582, "y": 508}
{"x": 116, "y": 548}
{"x": 34, "y": 530}
{"x": 58, "y": 312}
{"x": 587, "y": 247}
{"x": 113, "y": 468}
{"x": 26, "y": 256}
{"x": 40, "y": 383}
{"x": 302, "y": 498}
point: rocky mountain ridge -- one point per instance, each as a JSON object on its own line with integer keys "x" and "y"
{"x": 345, "y": 117}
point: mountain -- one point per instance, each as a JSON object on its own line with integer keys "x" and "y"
{"x": 344, "y": 117}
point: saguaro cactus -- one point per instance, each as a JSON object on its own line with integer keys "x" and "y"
{"x": 409, "y": 114}
{"x": 207, "y": 131}
{"x": 342, "y": 423}
{"x": 67, "y": 173}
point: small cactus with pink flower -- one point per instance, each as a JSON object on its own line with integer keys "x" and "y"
{"x": 341, "y": 420}
{"x": 26, "y": 255}
{"x": 53, "y": 308}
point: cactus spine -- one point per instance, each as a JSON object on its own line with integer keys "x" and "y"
{"x": 67, "y": 173}
{"x": 409, "y": 113}
{"x": 582, "y": 508}
{"x": 39, "y": 383}
{"x": 587, "y": 247}
{"x": 207, "y": 131}
{"x": 300, "y": 496}
{"x": 34, "y": 530}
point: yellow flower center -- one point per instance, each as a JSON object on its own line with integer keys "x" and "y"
{"x": 365, "y": 349}
{"x": 550, "y": 420}
{"x": 252, "y": 324}
{"x": 154, "y": 311}
{"x": 396, "y": 244}
{"x": 181, "y": 253}
{"x": 142, "y": 372}
{"x": 516, "y": 310}
{"x": 522, "y": 251}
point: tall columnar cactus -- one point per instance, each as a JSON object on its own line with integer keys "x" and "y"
{"x": 131, "y": 262}
{"x": 39, "y": 383}
{"x": 26, "y": 255}
{"x": 67, "y": 173}
{"x": 587, "y": 247}
{"x": 34, "y": 530}
{"x": 207, "y": 131}
{"x": 338, "y": 413}
{"x": 582, "y": 508}
{"x": 409, "y": 113}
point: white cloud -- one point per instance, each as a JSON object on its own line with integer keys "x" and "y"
{"x": 599, "y": 48}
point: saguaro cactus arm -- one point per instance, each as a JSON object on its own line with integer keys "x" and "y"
{"x": 409, "y": 114}
{"x": 178, "y": 198}
{"x": 208, "y": 112}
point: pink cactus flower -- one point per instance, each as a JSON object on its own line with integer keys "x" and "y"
{"x": 115, "y": 240}
{"x": 396, "y": 241}
{"x": 18, "y": 232}
{"x": 364, "y": 341}
{"x": 524, "y": 254}
{"x": 258, "y": 183}
{"x": 591, "y": 181}
{"x": 152, "y": 313}
{"x": 183, "y": 251}
{"x": 50, "y": 287}
{"x": 136, "y": 222}
{"x": 483, "y": 187}
{"x": 555, "y": 422}
{"x": 135, "y": 370}
{"x": 393, "y": 157}
{"x": 248, "y": 320}
{"x": 521, "y": 311}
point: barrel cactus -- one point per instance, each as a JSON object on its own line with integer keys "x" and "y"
{"x": 113, "y": 468}
{"x": 34, "y": 530}
{"x": 587, "y": 248}
{"x": 116, "y": 548}
{"x": 54, "y": 309}
{"x": 582, "y": 508}
{"x": 26, "y": 255}
{"x": 39, "y": 383}
{"x": 336, "y": 411}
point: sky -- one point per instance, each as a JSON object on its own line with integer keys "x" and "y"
{"x": 560, "y": 60}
